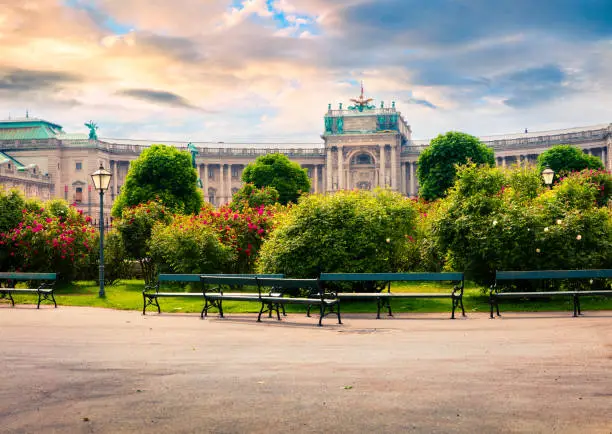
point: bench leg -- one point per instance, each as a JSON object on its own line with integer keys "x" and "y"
{"x": 8, "y": 296}
{"x": 263, "y": 305}
{"x": 42, "y": 296}
{"x": 149, "y": 300}
{"x": 307, "y": 310}
{"x": 577, "y": 310}
{"x": 491, "y": 302}
{"x": 332, "y": 309}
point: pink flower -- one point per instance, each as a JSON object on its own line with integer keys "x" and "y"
{"x": 48, "y": 220}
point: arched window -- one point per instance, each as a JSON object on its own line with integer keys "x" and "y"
{"x": 363, "y": 159}
{"x": 78, "y": 197}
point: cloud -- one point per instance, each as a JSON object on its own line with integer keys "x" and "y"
{"x": 21, "y": 80}
{"x": 157, "y": 97}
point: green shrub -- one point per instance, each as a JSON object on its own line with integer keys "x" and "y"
{"x": 135, "y": 226}
{"x": 188, "y": 246}
{"x": 490, "y": 222}
{"x": 250, "y": 196}
{"x": 350, "y": 231}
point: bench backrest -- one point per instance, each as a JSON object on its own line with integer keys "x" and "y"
{"x": 196, "y": 277}
{"x": 229, "y": 280}
{"x": 390, "y": 277}
{"x": 311, "y": 285}
{"x": 553, "y": 274}
{"x": 28, "y": 276}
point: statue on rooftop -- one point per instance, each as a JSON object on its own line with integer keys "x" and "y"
{"x": 361, "y": 103}
{"x": 194, "y": 152}
{"x": 92, "y": 130}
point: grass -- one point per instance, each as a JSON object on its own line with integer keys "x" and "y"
{"x": 127, "y": 295}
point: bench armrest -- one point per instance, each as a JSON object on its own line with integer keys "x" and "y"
{"x": 151, "y": 287}
{"x": 46, "y": 285}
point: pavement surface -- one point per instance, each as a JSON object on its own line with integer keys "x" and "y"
{"x": 87, "y": 370}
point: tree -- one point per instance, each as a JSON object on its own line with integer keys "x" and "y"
{"x": 165, "y": 174}
{"x": 276, "y": 170}
{"x": 566, "y": 158}
{"x": 436, "y": 166}
{"x": 250, "y": 196}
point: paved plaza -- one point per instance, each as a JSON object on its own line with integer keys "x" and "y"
{"x": 73, "y": 370}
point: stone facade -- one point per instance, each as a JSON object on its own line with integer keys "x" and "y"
{"x": 363, "y": 147}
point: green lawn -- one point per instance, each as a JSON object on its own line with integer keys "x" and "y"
{"x": 127, "y": 295}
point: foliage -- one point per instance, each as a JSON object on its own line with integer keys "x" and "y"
{"x": 277, "y": 171}
{"x": 161, "y": 173}
{"x": 436, "y": 165}
{"x": 350, "y": 231}
{"x": 250, "y": 196}
{"x": 135, "y": 226}
{"x": 489, "y": 222}
{"x": 187, "y": 245}
{"x": 600, "y": 179}
{"x": 564, "y": 159}
{"x": 42, "y": 242}
{"x": 116, "y": 263}
{"x": 11, "y": 204}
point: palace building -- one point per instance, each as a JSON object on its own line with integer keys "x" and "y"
{"x": 363, "y": 146}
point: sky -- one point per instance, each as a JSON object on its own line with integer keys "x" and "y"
{"x": 265, "y": 70}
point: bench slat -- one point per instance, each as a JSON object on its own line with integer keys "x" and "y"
{"x": 553, "y": 274}
{"x": 196, "y": 277}
{"x": 390, "y": 277}
{"x": 28, "y": 276}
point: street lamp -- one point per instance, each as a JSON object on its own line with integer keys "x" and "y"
{"x": 548, "y": 174}
{"x": 101, "y": 180}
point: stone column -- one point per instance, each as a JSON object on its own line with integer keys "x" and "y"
{"x": 340, "y": 168}
{"x": 393, "y": 167}
{"x": 402, "y": 178}
{"x": 329, "y": 169}
{"x": 503, "y": 161}
{"x": 205, "y": 183}
{"x": 114, "y": 178}
{"x": 412, "y": 184}
{"x": 316, "y": 178}
{"x": 383, "y": 163}
{"x": 221, "y": 189}
{"x": 229, "y": 183}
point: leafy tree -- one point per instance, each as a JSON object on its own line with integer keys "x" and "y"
{"x": 436, "y": 166}
{"x": 12, "y": 203}
{"x": 250, "y": 196}
{"x": 276, "y": 170}
{"x": 564, "y": 159}
{"x": 135, "y": 226}
{"x": 161, "y": 173}
{"x": 350, "y": 231}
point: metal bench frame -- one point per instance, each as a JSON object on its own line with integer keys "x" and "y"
{"x": 381, "y": 281}
{"x": 150, "y": 294}
{"x": 573, "y": 277}
{"x": 45, "y": 290}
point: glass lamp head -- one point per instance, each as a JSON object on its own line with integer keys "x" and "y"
{"x": 548, "y": 175}
{"x": 101, "y": 179}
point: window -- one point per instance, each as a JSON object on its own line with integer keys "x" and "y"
{"x": 363, "y": 159}
{"x": 78, "y": 197}
{"x": 211, "y": 174}
{"x": 79, "y": 165}
{"x": 234, "y": 172}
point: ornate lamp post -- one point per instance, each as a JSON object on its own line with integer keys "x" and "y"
{"x": 548, "y": 174}
{"x": 101, "y": 180}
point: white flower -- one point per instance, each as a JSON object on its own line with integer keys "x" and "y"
{"x": 494, "y": 222}
{"x": 388, "y": 240}
{"x": 578, "y": 237}
{"x": 546, "y": 229}
{"x": 559, "y": 221}
{"x": 538, "y": 250}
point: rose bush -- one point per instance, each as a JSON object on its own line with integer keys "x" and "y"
{"x": 43, "y": 242}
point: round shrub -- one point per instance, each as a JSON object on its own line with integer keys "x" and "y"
{"x": 188, "y": 246}
{"x": 350, "y": 231}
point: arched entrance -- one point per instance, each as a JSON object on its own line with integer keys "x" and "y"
{"x": 362, "y": 170}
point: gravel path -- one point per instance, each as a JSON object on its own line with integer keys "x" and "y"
{"x": 73, "y": 370}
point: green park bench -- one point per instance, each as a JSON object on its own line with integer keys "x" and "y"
{"x": 549, "y": 283}
{"x": 273, "y": 293}
{"x": 44, "y": 290}
{"x": 150, "y": 294}
{"x": 298, "y": 291}
{"x": 371, "y": 286}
